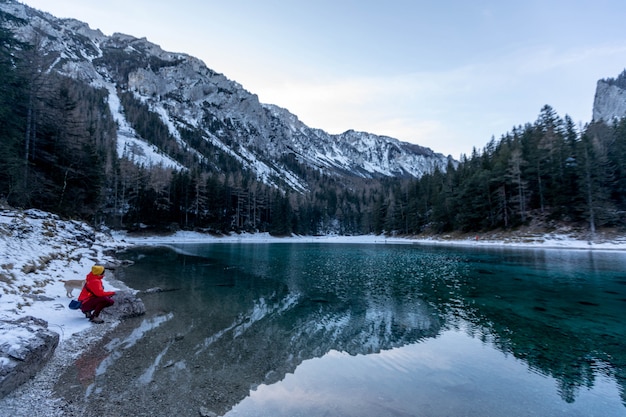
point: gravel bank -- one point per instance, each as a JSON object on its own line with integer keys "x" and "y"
{"x": 35, "y": 398}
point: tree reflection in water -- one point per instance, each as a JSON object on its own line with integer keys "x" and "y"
{"x": 245, "y": 315}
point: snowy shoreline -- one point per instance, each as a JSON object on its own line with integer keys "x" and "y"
{"x": 39, "y": 250}
{"x": 548, "y": 241}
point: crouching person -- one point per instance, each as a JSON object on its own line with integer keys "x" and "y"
{"x": 93, "y": 296}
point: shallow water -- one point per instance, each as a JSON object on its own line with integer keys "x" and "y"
{"x": 365, "y": 330}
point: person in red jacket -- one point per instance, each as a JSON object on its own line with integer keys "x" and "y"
{"x": 93, "y": 297}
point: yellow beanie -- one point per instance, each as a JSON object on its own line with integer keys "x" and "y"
{"x": 97, "y": 270}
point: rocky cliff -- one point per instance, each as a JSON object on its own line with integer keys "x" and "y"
{"x": 206, "y": 116}
{"x": 609, "y": 102}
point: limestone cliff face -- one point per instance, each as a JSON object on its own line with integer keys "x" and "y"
{"x": 610, "y": 100}
{"x": 206, "y": 114}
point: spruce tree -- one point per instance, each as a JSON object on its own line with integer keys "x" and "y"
{"x": 12, "y": 113}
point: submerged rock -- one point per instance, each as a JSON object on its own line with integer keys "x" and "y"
{"x": 205, "y": 412}
{"x": 156, "y": 290}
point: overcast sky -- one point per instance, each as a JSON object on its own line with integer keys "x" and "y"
{"x": 446, "y": 74}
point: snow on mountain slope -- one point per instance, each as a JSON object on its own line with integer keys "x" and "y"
{"x": 129, "y": 143}
{"x": 192, "y": 100}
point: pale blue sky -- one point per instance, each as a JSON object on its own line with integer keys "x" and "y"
{"x": 445, "y": 74}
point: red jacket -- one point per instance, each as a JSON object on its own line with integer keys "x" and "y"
{"x": 93, "y": 288}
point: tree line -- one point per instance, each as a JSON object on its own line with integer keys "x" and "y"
{"x": 59, "y": 154}
{"x": 548, "y": 173}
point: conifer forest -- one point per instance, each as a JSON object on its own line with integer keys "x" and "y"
{"x": 58, "y": 153}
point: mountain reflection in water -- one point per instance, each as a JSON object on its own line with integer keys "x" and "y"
{"x": 240, "y": 316}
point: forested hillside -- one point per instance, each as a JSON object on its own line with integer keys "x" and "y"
{"x": 548, "y": 172}
{"x": 59, "y": 153}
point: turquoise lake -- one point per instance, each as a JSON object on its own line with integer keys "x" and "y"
{"x": 314, "y": 329}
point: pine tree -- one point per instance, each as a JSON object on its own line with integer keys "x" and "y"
{"x": 617, "y": 158}
{"x": 281, "y": 216}
{"x": 520, "y": 185}
{"x": 12, "y": 112}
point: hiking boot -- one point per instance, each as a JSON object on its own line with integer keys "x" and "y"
{"x": 95, "y": 319}
{"x": 88, "y": 314}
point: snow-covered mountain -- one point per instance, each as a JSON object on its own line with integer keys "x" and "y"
{"x": 201, "y": 107}
{"x": 609, "y": 103}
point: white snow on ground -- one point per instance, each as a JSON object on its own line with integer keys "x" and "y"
{"x": 37, "y": 251}
{"x": 548, "y": 241}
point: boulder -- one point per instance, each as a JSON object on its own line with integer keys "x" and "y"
{"x": 127, "y": 305}
{"x": 26, "y": 344}
{"x": 25, "y": 347}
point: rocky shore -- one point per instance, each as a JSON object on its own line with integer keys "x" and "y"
{"x": 35, "y": 397}
{"x": 29, "y": 350}
{"x": 39, "y": 335}
{"x": 32, "y": 365}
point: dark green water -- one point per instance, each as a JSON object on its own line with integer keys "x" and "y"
{"x": 370, "y": 330}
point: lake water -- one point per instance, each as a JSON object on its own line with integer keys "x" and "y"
{"x": 307, "y": 329}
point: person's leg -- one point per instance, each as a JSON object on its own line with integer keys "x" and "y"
{"x": 101, "y": 303}
{"x": 94, "y": 306}
{"x": 87, "y": 307}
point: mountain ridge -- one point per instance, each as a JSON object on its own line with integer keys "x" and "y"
{"x": 190, "y": 99}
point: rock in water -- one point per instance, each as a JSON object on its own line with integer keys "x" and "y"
{"x": 126, "y": 305}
